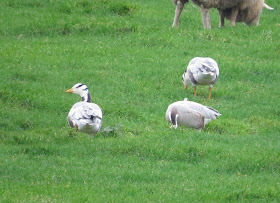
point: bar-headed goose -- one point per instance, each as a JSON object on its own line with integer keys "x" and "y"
{"x": 201, "y": 71}
{"x": 84, "y": 116}
{"x": 190, "y": 114}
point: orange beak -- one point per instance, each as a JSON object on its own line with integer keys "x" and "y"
{"x": 69, "y": 91}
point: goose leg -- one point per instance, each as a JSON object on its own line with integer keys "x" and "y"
{"x": 194, "y": 90}
{"x": 76, "y": 127}
{"x": 210, "y": 89}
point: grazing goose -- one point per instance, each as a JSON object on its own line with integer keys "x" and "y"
{"x": 84, "y": 116}
{"x": 201, "y": 71}
{"x": 190, "y": 114}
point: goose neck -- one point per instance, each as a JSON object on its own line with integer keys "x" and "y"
{"x": 86, "y": 97}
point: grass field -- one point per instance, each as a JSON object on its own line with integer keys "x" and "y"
{"x": 132, "y": 60}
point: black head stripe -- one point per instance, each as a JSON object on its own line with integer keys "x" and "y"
{"x": 80, "y": 85}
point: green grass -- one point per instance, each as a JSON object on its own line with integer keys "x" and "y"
{"x": 132, "y": 61}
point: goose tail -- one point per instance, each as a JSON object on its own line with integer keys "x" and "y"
{"x": 214, "y": 112}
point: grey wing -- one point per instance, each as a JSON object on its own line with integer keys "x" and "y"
{"x": 74, "y": 114}
{"x": 193, "y": 68}
{"x": 84, "y": 110}
{"x": 214, "y": 112}
{"x": 197, "y": 107}
{"x": 203, "y": 65}
{"x": 91, "y": 110}
{"x": 197, "y": 119}
{"x": 206, "y": 111}
{"x": 194, "y": 65}
{"x": 190, "y": 117}
{"x": 211, "y": 66}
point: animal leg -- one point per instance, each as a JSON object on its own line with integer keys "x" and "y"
{"x": 205, "y": 13}
{"x": 178, "y": 11}
{"x": 194, "y": 87}
{"x": 222, "y": 18}
{"x": 256, "y": 20}
{"x": 210, "y": 89}
{"x": 76, "y": 128}
{"x": 185, "y": 87}
{"x": 234, "y": 14}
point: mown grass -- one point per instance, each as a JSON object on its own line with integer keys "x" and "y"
{"x": 132, "y": 61}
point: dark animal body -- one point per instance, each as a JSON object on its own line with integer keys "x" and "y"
{"x": 247, "y": 11}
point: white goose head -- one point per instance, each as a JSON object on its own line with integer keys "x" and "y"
{"x": 81, "y": 90}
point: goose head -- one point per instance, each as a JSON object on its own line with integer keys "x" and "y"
{"x": 82, "y": 90}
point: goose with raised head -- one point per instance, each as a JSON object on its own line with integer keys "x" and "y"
{"x": 84, "y": 116}
{"x": 201, "y": 71}
{"x": 190, "y": 114}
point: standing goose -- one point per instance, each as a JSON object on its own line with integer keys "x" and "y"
{"x": 201, "y": 71}
{"x": 190, "y": 114}
{"x": 84, "y": 116}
